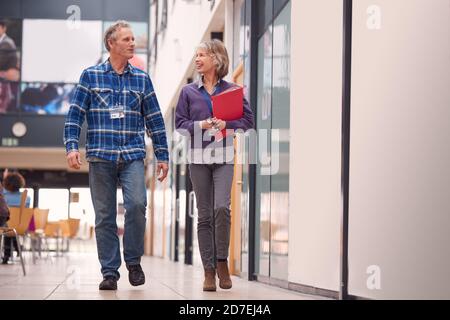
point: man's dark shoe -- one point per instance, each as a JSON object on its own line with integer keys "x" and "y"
{"x": 136, "y": 275}
{"x": 108, "y": 283}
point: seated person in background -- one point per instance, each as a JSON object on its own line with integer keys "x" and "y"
{"x": 12, "y": 183}
{"x": 4, "y": 210}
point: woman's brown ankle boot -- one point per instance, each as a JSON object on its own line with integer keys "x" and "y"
{"x": 224, "y": 275}
{"x": 210, "y": 280}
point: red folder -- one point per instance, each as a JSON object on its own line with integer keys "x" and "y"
{"x": 228, "y": 106}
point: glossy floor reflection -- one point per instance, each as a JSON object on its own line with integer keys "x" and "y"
{"x": 76, "y": 275}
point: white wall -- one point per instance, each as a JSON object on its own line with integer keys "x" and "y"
{"x": 400, "y": 137}
{"x": 315, "y": 210}
{"x": 81, "y": 46}
{"x": 188, "y": 22}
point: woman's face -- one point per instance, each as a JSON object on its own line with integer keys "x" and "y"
{"x": 204, "y": 62}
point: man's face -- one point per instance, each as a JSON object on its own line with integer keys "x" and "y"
{"x": 2, "y": 30}
{"x": 124, "y": 44}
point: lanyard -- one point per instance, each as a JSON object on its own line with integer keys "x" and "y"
{"x": 117, "y": 96}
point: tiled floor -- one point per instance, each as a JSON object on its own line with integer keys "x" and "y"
{"x": 76, "y": 275}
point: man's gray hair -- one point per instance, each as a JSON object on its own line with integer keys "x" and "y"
{"x": 110, "y": 33}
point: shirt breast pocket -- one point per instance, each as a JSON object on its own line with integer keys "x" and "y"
{"x": 134, "y": 99}
{"x": 102, "y": 98}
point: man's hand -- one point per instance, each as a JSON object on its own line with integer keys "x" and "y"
{"x": 74, "y": 160}
{"x": 164, "y": 167}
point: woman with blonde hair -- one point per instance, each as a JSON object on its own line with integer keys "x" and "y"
{"x": 211, "y": 161}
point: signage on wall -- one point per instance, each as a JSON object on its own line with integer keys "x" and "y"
{"x": 10, "y": 142}
{"x": 74, "y": 197}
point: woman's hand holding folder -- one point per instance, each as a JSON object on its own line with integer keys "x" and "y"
{"x": 228, "y": 106}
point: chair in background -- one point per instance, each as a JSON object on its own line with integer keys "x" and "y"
{"x": 37, "y": 237}
{"x": 11, "y": 232}
{"x": 53, "y": 231}
{"x": 40, "y": 219}
{"x": 69, "y": 230}
{"x": 74, "y": 225}
{"x": 17, "y": 225}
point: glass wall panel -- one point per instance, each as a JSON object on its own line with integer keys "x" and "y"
{"x": 264, "y": 15}
{"x": 245, "y": 204}
{"x": 264, "y": 123}
{"x": 273, "y": 123}
{"x": 278, "y": 5}
{"x": 279, "y": 184}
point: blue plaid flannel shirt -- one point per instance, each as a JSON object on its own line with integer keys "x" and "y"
{"x": 101, "y": 88}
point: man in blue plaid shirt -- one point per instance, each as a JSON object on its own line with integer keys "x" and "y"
{"x": 119, "y": 102}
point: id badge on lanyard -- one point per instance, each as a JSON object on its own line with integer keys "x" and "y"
{"x": 118, "y": 110}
